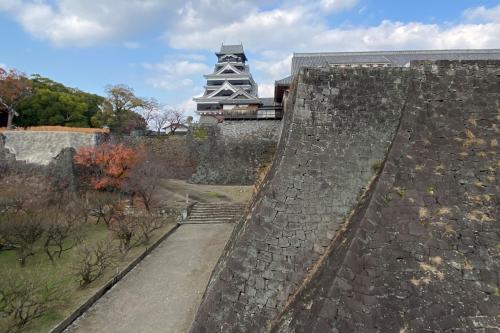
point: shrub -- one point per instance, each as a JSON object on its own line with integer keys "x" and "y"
{"x": 125, "y": 228}
{"x": 24, "y": 298}
{"x": 106, "y": 165}
{"x": 21, "y": 230}
{"x": 92, "y": 261}
{"x": 62, "y": 232}
{"x": 102, "y": 206}
{"x": 143, "y": 183}
{"x": 147, "y": 224}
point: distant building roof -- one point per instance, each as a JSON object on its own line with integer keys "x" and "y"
{"x": 393, "y": 58}
{"x": 231, "y": 49}
{"x": 286, "y": 81}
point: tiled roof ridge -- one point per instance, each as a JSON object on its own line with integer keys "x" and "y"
{"x": 350, "y": 53}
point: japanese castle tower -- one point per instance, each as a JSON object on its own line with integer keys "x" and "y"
{"x": 231, "y": 92}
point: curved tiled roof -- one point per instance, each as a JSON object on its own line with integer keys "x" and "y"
{"x": 395, "y": 58}
{"x": 231, "y": 49}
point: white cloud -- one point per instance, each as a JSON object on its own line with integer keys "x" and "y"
{"x": 40, "y": 20}
{"x": 9, "y": 4}
{"x": 275, "y": 66}
{"x": 337, "y": 5}
{"x": 271, "y": 30}
{"x": 171, "y": 75}
{"x": 396, "y": 35}
{"x": 85, "y": 23}
{"x": 132, "y": 45}
{"x": 300, "y": 28}
{"x": 266, "y": 89}
{"x": 483, "y": 14}
{"x": 188, "y": 106}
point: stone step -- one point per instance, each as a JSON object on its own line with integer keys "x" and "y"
{"x": 205, "y": 213}
{"x": 218, "y": 210}
{"x": 215, "y": 213}
{"x": 219, "y": 205}
{"x": 205, "y": 218}
{"x": 189, "y": 221}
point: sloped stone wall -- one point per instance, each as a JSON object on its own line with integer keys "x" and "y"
{"x": 422, "y": 255}
{"x": 335, "y": 133}
{"x": 232, "y": 152}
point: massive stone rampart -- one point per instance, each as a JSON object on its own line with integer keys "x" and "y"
{"x": 336, "y": 132}
{"x": 423, "y": 254}
{"x": 233, "y": 152}
{"x": 333, "y": 244}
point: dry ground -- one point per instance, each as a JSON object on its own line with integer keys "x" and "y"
{"x": 173, "y": 193}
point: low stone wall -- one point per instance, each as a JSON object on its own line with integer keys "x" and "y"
{"x": 232, "y": 152}
{"x": 41, "y": 148}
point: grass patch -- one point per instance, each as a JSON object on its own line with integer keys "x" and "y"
{"x": 200, "y": 133}
{"x": 431, "y": 190}
{"x": 376, "y": 166}
{"x": 61, "y": 273}
{"x": 400, "y": 191}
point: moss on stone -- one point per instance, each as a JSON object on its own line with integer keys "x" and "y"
{"x": 200, "y": 133}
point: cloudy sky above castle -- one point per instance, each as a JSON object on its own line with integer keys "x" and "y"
{"x": 163, "y": 47}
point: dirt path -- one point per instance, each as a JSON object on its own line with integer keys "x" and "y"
{"x": 163, "y": 292}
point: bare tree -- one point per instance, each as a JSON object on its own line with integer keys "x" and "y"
{"x": 92, "y": 261}
{"x": 160, "y": 119}
{"x": 143, "y": 182}
{"x": 21, "y": 230}
{"x": 62, "y": 231}
{"x": 102, "y": 206}
{"x": 175, "y": 120}
{"x": 149, "y": 109}
{"x": 147, "y": 224}
{"x": 24, "y": 298}
{"x": 125, "y": 227}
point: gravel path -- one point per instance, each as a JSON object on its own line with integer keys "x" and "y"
{"x": 163, "y": 292}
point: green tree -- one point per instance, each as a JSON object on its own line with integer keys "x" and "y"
{"x": 120, "y": 110}
{"x": 48, "y": 107}
{"x": 52, "y": 103}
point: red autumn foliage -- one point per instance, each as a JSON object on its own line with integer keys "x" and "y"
{"x": 14, "y": 86}
{"x": 108, "y": 164}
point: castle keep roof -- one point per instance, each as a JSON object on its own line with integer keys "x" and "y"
{"x": 231, "y": 91}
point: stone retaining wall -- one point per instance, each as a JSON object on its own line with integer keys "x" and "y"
{"x": 337, "y": 131}
{"x": 423, "y": 255}
{"x": 42, "y": 147}
{"x": 232, "y": 152}
{"x": 328, "y": 246}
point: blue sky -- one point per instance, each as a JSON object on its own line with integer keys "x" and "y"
{"x": 162, "y": 48}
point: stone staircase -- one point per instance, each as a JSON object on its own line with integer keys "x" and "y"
{"x": 206, "y": 213}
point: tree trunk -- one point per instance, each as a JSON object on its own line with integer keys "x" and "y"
{"x": 10, "y": 117}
